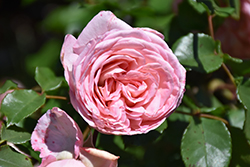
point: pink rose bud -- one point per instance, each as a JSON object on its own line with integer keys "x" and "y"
{"x": 122, "y": 80}
{"x": 235, "y": 34}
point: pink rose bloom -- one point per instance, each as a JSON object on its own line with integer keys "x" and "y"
{"x": 122, "y": 80}
{"x": 60, "y": 141}
{"x": 235, "y": 34}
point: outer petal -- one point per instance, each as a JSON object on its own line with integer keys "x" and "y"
{"x": 57, "y": 134}
{"x": 67, "y": 163}
{"x": 68, "y": 57}
{"x": 92, "y": 157}
{"x": 103, "y": 22}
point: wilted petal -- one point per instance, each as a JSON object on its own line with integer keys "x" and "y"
{"x": 57, "y": 134}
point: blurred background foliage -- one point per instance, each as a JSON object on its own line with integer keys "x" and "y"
{"x": 31, "y": 35}
{"x": 32, "y": 31}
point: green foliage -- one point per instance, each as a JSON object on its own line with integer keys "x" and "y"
{"x": 7, "y": 85}
{"x": 198, "y": 52}
{"x": 47, "y": 79}
{"x": 211, "y": 127}
{"x": 20, "y": 104}
{"x": 9, "y": 158}
{"x": 14, "y": 135}
{"x": 206, "y": 142}
{"x": 243, "y": 91}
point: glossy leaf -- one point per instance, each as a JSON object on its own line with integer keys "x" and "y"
{"x": 20, "y": 104}
{"x": 14, "y": 135}
{"x": 7, "y": 85}
{"x": 9, "y": 158}
{"x": 198, "y": 52}
{"x": 47, "y": 79}
{"x": 206, "y": 142}
{"x": 243, "y": 92}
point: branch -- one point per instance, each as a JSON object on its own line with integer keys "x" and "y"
{"x": 56, "y": 97}
{"x": 204, "y": 116}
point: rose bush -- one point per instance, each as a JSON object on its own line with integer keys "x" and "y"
{"x": 60, "y": 141}
{"x": 235, "y": 34}
{"x": 122, "y": 80}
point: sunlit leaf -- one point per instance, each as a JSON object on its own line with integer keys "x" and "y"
{"x": 236, "y": 118}
{"x": 206, "y": 142}
{"x": 197, "y": 6}
{"x": 20, "y": 104}
{"x": 47, "y": 79}
{"x": 198, "y": 52}
{"x": 9, "y": 158}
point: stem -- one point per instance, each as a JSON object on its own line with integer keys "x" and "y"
{"x": 205, "y": 116}
{"x": 86, "y": 132}
{"x": 214, "y": 117}
{"x": 228, "y": 73}
{"x": 17, "y": 149}
{"x": 211, "y": 30}
{"x": 56, "y": 97}
{"x": 210, "y": 23}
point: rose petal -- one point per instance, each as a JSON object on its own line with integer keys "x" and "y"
{"x": 92, "y": 157}
{"x": 67, "y": 163}
{"x": 103, "y": 22}
{"x": 57, "y": 134}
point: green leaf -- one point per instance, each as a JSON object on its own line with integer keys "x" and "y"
{"x": 9, "y": 158}
{"x": 197, "y": 6}
{"x": 212, "y": 8}
{"x": 162, "y": 127}
{"x": 47, "y": 79}
{"x": 198, "y": 52}
{"x": 227, "y": 57}
{"x": 241, "y": 149}
{"x": 236, "y": 5}
{"x": 236, "y": 117}
{"x": 206, "y": 142}
{"x": 15, "y": 135}
{"x": 7, "y": 85}
{"x": 20, "y": 104}
{"x": 243, "y": 92}
{"x": 224, "y": 12}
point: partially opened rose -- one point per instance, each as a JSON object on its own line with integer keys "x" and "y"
{"x": 122, "y": 80}
{"x": 60, "y": 142}
{"x": 235, "y": 34}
